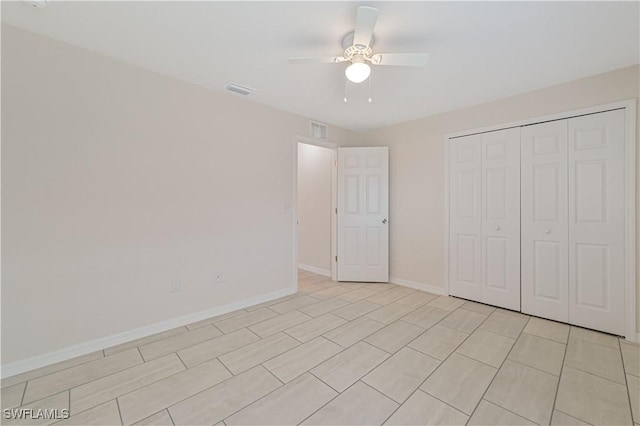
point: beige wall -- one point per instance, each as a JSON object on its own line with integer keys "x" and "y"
{"x": 417, "y": 170}
{"x": 116, "y": 181}
{"x": 314, "y": 206}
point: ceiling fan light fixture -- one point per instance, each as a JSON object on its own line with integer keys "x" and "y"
{"x": 358, "y": 72}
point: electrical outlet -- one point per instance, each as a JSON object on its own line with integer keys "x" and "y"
{"x": 176, "y": 286}
{"x": 219, "y": 277}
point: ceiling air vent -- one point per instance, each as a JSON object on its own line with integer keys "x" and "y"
{"x": 318, "y": 130}
{"x": 239, "y": 88}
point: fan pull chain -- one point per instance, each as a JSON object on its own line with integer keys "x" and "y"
{"x": 345, "y": 89}
{"x": 370, "y": 99}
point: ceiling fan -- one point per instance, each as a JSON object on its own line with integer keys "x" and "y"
{"x": 357, "y": 50}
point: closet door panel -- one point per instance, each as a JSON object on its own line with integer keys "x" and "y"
{"x": 596, "y": 221}
{"x": 465, "y": 217}
{"x": 544, "y": 216}
{"x": 501, "y": 218}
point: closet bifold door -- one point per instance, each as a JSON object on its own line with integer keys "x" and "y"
{"x": 501, "y": 218}
{"x": 544, "y": 204}
{"x": 484, "y": 233}
{"x": 596, "y": 221}
{"x": 465, "y": 217}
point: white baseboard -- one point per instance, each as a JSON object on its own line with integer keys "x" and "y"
{"x": 84, "y": 348}
{"x": 314, "y": 269}
{"x": 418, "y": 286}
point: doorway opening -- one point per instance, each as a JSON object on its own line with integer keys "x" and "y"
{"x": 315, "y": 188}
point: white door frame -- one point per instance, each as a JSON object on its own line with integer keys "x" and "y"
{"x": 334, "y": 201}
{"x": 631, "y": 332}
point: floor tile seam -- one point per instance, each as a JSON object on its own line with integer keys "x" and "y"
{"x": 534, "y": 368}
{"x": 243, "y": 407}
{"x": 471, "y": 310}
{"x": 501, "y": 334}
{"x": 498, "y": 372}
{"x": 24, "y": 391}
{"x": 626, "y": 382}
{"x": 342, "y": 349}
{"x": 297, "y": 340}
{"x": 126, "y": 393}
{"x": 432, "y": 396}
{"x": 594, "y": 375}
{"x": 434, "y": 370}
{"x": 198, "y": 393}
{"x": 262, "y": 362}
{"x": 117, "y": 405}
{"x": 392, "y": 398}
{"x": 329, "y": 402}
{"x": 207, "y": 360}
{"x": 206, "y": 323}
{"x": 358, "y": 341}
{"x": 453, "y": 351}
{"x": 360, "y": 378}
{"x": 593, "y": 331}
{"x": 569, "y": 365}
{"x": 144, "y": 361}
{"x": 279, "y": 331}
{"x": 479, "y": 361}
{"x": 57, "y": 371}
{"x": 359, "y": 316}
{"x": 385, "y": 303}
{"x": 572, "y": 416}
{"x": 58, "y": 393}
{"x": 185, "y": 347}
{"x": 451, "y": 328}
{"x": 390, "y": 353}
{"x": 414, "y": 307}
{"x": 83, "y": 383}
{"x": 337, "y": 326}
{"x": 506, "y": 409}
{"x": 545, "y": 338}
{"x": 169, "y": 414}
{"x": 333, "y": 298}
{"x": 279, "y": 387}
{"x": 250, "y": 324}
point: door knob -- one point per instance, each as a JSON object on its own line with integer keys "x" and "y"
{"x": 497, "y": 228}
{"x": 384, "y": 220}
{"x": 548, "y": 231}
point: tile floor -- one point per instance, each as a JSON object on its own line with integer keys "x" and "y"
{"x": 348, "y": 353}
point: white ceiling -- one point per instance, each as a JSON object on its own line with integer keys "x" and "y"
{"x": 479, "y": 51}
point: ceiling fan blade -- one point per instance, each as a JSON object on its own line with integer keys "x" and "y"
{"x": 365, "y": 22}
{"x": 317, "y": 60}
{"x": 401, "y": 59}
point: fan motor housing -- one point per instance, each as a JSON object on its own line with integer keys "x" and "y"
{"x": 347, "y": 41}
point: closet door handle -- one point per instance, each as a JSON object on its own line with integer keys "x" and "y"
{"x": 497, "y": 228}
{"x": 548, "y": 231}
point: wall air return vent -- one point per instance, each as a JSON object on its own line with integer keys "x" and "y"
{"x": 239, "y": 88}
{"x": 318, "y": 130}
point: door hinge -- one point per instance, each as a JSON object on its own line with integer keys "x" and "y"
{"x": 336, "y": 258}
{"x": 336, "y": 210}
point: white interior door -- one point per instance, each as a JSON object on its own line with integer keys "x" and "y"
{"x": 465, "y": 217}
{"x": 544, "y": 220}
{"x": 501, "y": 218}
{"x": 363, "y": 214}
{"x": 596, "y": 221}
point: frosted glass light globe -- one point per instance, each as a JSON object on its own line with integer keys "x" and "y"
{"x": 358, "y": 72}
